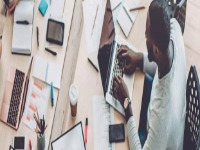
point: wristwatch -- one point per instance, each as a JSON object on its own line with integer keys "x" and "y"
{"x": 126, "y": 102}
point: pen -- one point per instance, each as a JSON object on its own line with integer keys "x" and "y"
{"x": 95, "y": 19}
{"x": 25, "y": 22}
{"x": 37, "y": 37}
{"x": 137, "y": 8}
{"x": 86, "y": 130}
{"x": 30, "y": 144}
{"x": 52, "y": 95}
{"x": 50, "y": 51}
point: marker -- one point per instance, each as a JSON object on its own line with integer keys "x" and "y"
{"x": 52, "y": 95}
{"x": 50, "y": 51}
{"x": 25, "y": 22}
{"x": 137, "y": 8}
{"x": 86, "y": 130}
{"x": 30, "y": 144}
{"x": 37, "y": 37}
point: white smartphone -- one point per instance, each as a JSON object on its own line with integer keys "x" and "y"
{"x": 19, "y": 142}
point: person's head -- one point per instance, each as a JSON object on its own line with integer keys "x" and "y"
{"x": 157, "y": 29}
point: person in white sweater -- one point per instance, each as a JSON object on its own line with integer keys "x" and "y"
{"x": 167, "y": 106}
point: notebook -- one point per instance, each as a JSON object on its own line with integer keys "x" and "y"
{"x": 14, "y": 97}
{"x": 72, "y": 139}
{"x": 22, "y": 28}
{"x": 47, "y": 71}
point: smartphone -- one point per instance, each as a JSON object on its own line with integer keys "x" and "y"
{"x": 19, "y": 142}
{"x": 116, "y": 133}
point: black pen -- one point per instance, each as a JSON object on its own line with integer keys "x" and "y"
{"x": 37, "y": 37}
{"x": 25, "y": 22}
{"x": 50, "y": 51}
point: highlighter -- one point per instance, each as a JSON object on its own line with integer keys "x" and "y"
{"x": 86, "y": 130}
{"x": 52, "y": 95}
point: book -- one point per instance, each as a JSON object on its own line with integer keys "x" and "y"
{"x": 23, "y": 28}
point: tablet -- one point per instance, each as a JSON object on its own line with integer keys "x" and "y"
{"x": 55, "y": 32}
{"x": 72, "y": 139}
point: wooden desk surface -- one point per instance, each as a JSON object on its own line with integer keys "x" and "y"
{"x": 23, "y": 62}
{"x": 81, "y": 73}
{"x": 89, "y": 83}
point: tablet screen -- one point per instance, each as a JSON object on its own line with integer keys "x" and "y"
{"x": 55, "y": 32}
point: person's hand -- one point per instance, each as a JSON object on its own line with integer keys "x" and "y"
{"x": 12, "y": 5}
{"x": 120, "y": 89}
{"x": 131, "y": 58}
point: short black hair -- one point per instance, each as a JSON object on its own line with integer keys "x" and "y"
{"x": 159, "y": 24}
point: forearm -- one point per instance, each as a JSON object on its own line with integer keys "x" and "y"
{"x": 133, "y": 137}
{"x": 148, "y": 67}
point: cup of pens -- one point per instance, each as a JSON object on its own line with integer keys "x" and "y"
{"x": 40, "y": 130}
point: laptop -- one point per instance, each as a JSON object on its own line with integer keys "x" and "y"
{"x": 109, "y": 65}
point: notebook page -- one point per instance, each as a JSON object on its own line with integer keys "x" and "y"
{"x": 22, "y": 38}
{"x": 24, "y": 11}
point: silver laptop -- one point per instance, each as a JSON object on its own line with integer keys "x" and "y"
{"x": 109, "y": 65}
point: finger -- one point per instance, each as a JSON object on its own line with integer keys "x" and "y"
{"x": 120, "y": 52}
{"x": 12, "y": 8}
{"x": 117, "y": 79}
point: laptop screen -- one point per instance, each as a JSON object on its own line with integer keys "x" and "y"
{"x": 106, "y": 44}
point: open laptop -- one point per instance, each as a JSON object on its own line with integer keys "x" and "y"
{"x": 109, "y": 65}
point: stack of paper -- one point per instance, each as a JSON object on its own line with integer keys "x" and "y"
{"x": 22, "y": 29}
{"x": 102, "y": 116}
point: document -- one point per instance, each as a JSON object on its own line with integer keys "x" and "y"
{"x": 47, "y": 71}
{"x": 22, "y": 28}
{"x": 57, "y": 8}
{"x": 36, "y": 101}
{"x": 102, "y": 117}
{"x": 93, "y": 14}
{"x": 125, "y": 21}
{"x": 72, "y": 139}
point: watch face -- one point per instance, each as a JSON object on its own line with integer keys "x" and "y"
{"x": 126, "y": 103}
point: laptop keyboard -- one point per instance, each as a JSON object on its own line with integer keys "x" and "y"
{"x": 117, "y": 70}
{"x": 15, "y": 98}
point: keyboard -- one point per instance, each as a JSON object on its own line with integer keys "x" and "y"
{"x": 14, "y": 108}
{"x": 117, "y": 70}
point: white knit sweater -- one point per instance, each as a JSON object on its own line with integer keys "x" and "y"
{"x": 166, "y": 112}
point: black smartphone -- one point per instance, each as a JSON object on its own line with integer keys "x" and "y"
{"x": 19, "y": 142}
{"x": 116, "y": 133}
{"x": 55, "y": 32}
{"x": 6, "y": 2}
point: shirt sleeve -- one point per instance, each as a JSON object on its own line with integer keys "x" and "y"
{"x": 148, "y": 67}
{"x": 156, "y": 139}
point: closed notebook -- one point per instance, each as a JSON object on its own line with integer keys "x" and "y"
{"x": 43, "y": 7}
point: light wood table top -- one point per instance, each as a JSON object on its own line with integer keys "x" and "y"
{"x": 88, "y": 81}
{"x": 22, "y": 63}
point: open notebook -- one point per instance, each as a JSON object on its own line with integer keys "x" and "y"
{"x": 22, "y": 28}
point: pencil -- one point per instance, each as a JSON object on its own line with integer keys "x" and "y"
{"x": 95, "y": 19}
{"x": 137, "y": 8}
